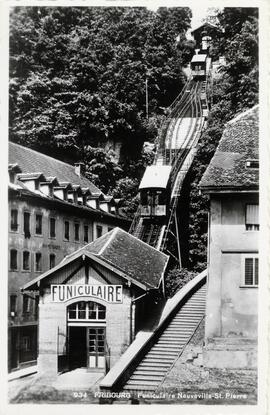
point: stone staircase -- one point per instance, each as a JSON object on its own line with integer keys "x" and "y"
{"x": 152, "y": 369}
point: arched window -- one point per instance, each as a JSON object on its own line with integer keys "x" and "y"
{"x": 86, "y": 310}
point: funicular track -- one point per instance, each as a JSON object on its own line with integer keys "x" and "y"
{"x": 144, "y": 365}
{"x": 178, "y": 138}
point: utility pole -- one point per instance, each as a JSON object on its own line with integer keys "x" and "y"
{"x": 146, "y": 97}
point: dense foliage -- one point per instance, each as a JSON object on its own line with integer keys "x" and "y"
{"x": 176, "y": 279}
{"x": 78, "y": 75}
{"x": 234, "y": 91}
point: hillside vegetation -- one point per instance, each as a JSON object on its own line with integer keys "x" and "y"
{"x": 234, "y": 91}
{"x": 78, "y": 75}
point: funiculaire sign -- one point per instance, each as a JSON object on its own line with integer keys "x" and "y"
{"x": 109, "y": 293}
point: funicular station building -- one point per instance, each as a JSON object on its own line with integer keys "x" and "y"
{"x": 95, "y": 301}
{"x": 53, "y": 211}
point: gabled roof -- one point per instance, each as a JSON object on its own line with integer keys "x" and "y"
{"x": 230, "y": 169}
{"x": 204, "y": 25}
{"x": 124, "y": 254}
{"x": 32, "y": 161}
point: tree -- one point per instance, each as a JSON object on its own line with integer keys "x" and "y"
{"x": 101, "y": 168}
{"x": 235, "y": 91}
{"x": 176, "y": 279}
{"x": 77, "y": 75}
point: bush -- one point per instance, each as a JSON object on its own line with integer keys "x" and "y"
{"x": 176, "y": 279}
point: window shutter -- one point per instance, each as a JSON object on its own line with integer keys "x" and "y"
{"x": 249, "y": 271}
{"x": 256, "y": 271}
{"x": 252, "y": 215}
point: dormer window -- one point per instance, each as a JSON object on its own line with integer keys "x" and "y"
{"x": 13, "y": 170}
{"x": 70, "y": 197}
{"x": 92, "y": 203}
{"x": 31, "y": 180}
{"x": 252, "y": 164}
{"x": 80, "y": 200}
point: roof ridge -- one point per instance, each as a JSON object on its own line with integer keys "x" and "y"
{"x": 75, "y": 252}
{"x": 44, "y": 155}
{"x": 243, "y": 114}
{"x": 113, "y": 232}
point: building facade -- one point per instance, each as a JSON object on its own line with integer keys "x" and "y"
{"x": 53, "y": 211}
{"x": 93, "y": 303}
{"x": 231, "y": 180}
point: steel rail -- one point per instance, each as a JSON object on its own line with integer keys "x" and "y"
{"x": 198, "y": 116}
{"x": 165, "y": 126}
{"x": 179, "y": 116}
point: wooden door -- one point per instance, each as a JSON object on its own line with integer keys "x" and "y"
{"x": 96, "y": 347}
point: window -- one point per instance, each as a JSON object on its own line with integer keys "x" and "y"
{"x": 13, "y": 305}
{"x": 26, "y": 260}
{"x": 36, "y": 305}
{"x": 25, "y": 344}
{"x": 14, "y": 220}
{"x": 52, "y": 261}
{"x": 251, "y": 271}
{"x": 26, "y": 304}
{"x": 85, "y": 233}
{"x": 38, "y": 266}
{"x": 99, "y": 231}
{"x": 66, "y": 232}
{"x": 76, "y": 231}
{"x": 52, "y": 227}
{"x": 86, "y": 310}
{"x": 13, "y": 259}
{"x": 252, "y": 164}
{"x": 38, "y": 224}
{"x": 26, "y": 224}
{"x": 252, "y": 217}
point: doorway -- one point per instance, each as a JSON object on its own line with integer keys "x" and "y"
{"x": 86, "y": 347}
{"x": 77, "y": 347}
{"x": 86, "y": 333}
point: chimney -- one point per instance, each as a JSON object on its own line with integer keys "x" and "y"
{"x": 79, "y": 168}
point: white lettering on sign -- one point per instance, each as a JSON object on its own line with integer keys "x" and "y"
{"x": 108, "y": 293}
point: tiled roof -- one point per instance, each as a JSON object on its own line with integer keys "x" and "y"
{"x": 123, "y": 253}
{"x": 32, "y": 161}
{"x": 135, "y": 258}
{"x": 239, "y": 143}
{"x": 204, "y": 25}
